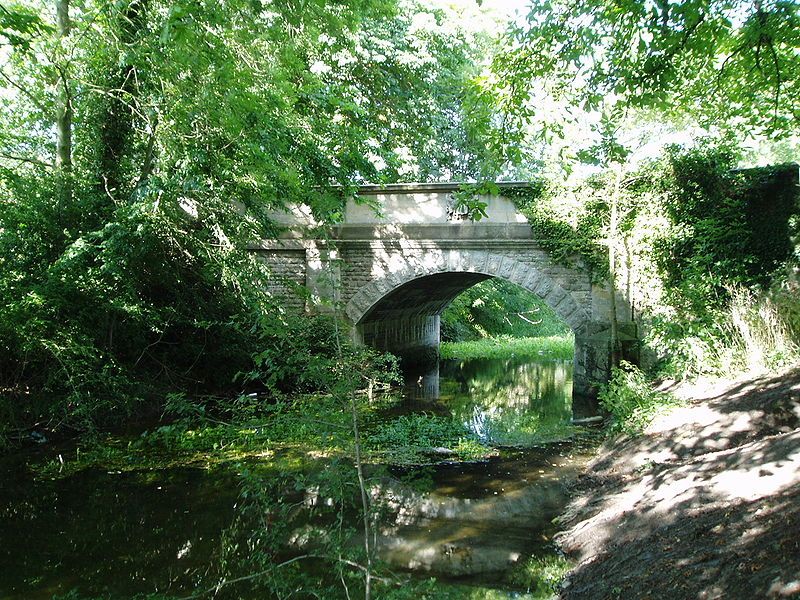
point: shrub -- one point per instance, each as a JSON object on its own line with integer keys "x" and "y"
{"x": 632, "y": 400}
{"x": 541, "y": 576}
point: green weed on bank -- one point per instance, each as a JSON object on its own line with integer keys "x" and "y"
{"x": 632, "y": 400}
{"x": 560, "y": 347}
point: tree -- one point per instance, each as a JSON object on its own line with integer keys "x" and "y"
{"x": 143, "y": 144}
{"x": 726, "y": 62}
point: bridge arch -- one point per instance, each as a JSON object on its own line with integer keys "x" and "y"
{"x": 396, "y": 269}
{"x": 399, "y": 310}
{"x": 468, "y": 264}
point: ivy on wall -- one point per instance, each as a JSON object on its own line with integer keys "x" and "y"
{"x": 573, "y": 242}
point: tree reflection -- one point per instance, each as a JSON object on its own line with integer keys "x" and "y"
{"x": 509, "y": 401}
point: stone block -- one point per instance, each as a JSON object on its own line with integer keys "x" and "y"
{"x": 506, "y": 266}
{"x": 566, "y": 309}
{"x": 555, "y": 296}
{"x": 531, "y": 280}
{"x": 478, "y": 264}
{"x": 577, "y": 320}
{"x": 493, "y": 263}
{"x": 519, "y": 274}
{"x": 543, "y": 287}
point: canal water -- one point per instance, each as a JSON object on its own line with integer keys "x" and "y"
{"x": 118, "y": 534}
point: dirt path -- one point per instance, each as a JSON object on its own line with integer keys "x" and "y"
{"x": 705, "y": 505}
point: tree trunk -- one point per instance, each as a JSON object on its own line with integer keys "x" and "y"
{"x": 64, "y": 116}
{"x": 612, "y": 269}
{"x": 117, "y": 124}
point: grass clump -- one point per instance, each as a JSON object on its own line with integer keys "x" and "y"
{"x": 540, "y": 576}
{"x": 560, "y": 347}
{"x": 632, "y": 400}
{"x": 752, "y": 332}
{"x": 760, "y": 333}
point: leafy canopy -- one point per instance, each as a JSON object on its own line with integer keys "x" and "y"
{"x": 724, "y": 62}
{"x": 190, "y": 121}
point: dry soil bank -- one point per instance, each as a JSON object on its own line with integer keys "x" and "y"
{"x": 705, "y": 505}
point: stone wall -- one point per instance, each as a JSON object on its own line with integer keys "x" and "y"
{"x": 287, "y": 276}
{"x": 370, "y": 261}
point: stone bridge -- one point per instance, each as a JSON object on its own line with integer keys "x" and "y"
{"x": 402, "y": 254}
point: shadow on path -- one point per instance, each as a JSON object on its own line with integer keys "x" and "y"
{"x": 705, "y": 505}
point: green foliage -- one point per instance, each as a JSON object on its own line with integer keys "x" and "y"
{"x": 571, "y": 238}
{"x": 728, "y": 226}
{"x": 632, "y": 400}
{"x": 689, "y": 228}
{"x": 127, "y": 275}
{"x": 301, "y": 354}
{"x": 118, "y": 315}
{"x": 299, "y": 512}
{"x": 414, "y": 439}
{"x": 785, "y": 297}
{"x": 20, "y": 25}
{"x": 708, "y": 228}
{"x": 541, "y": 576}
{"x": 561, "y": 347}
{"x": 494, "y": 308}
{"x": 720, "y": 62}
{"x": 440, "y": 590}
{"x": 76, "y": 595}
{"x": 749, "y": 332}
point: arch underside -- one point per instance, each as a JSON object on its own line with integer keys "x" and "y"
{"x": 400, "y": 311}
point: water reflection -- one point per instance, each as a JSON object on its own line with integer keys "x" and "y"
{"x": 503, "y": 402}
{"x": 477, "y": 520}
{"x": 422, "y": 384}
{"x": 122, "y": 534}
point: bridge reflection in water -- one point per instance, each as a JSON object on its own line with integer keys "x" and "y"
{"x": 477, "y": 520}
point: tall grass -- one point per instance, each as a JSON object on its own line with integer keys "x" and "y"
{"x": 558, "y": 346}
{"x": 759, "y": 338}
{"x": 751, "y": 332}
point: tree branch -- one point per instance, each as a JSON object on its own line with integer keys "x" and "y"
{"x": 24, "y": 90}
{"x": 285, "y": 563}
{"x": 778, "y": 77}
{"x": 736, "y": 51}
{"x": 34, "y": 161}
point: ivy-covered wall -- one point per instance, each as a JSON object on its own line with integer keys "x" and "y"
{"x": 772, "y": 201}
{"x": 688, "y": 228}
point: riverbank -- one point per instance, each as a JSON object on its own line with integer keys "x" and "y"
{"x": 559, "y": 347}
{"x": 705, "y": 504}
